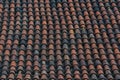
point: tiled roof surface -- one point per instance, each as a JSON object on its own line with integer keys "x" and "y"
{"x": 60, "y": 39}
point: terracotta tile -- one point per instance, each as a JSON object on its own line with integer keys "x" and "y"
{"x": 64, "y": 33}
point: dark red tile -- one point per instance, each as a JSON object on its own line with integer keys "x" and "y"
{"x": 59, "y": 39}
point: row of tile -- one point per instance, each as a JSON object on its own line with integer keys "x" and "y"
{"x": 59, "y": 39}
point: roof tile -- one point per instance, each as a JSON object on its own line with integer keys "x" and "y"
{"x": 53, "y": 39}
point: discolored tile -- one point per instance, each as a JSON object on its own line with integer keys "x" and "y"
{"x": 59, "y": 39}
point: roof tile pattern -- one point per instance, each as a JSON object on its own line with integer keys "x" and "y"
{"x": 59, "y": 40}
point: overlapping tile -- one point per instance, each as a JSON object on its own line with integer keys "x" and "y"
{"x": 59, "y": 40}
